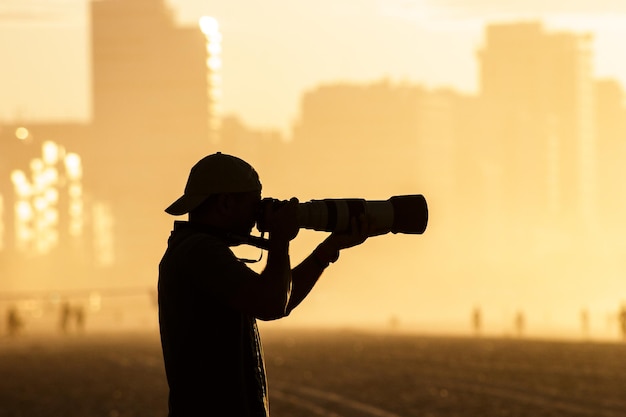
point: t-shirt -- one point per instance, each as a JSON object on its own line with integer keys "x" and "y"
{"x": 212, "y": 352}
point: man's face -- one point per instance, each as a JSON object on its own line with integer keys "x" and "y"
{"x": 245, "y": 209}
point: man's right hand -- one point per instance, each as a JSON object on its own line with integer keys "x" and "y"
{"x": 282, "y": 223}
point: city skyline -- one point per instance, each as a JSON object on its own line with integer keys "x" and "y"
{"x": 507, "y": 171}
{"x": 442, "y": 36}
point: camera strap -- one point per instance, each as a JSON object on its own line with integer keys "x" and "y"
{"x": 231, "y": 239}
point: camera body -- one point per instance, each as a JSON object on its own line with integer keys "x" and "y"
{"x": 407, "y": 214}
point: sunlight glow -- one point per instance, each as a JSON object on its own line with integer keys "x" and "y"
{"x": 37, "y": 214}
{"x": 51, "y": 195}
{"x": 24, "y": 211}
{"x": 214, "y": 63}
{"x": 22, "y": 133}
{"x": 21, "y": 184}
{"x": 214, "y": 48}
{"x": 50, "y": 152}
{"x": 103, "y": 234}
{"x": 209, "y": 26}
{"x": 48, "y": 177}
{"x": 40, "y": 203}
{"x": 36, "y": 165}
{"x": 73, "y": 166}
{"x": 506, "y": 115}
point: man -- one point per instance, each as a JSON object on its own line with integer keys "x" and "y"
{"x": 209, "y": 300}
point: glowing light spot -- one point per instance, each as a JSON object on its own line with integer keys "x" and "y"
{"x": 50, "y": 152}
{"x": 103, "y": 236}
{"x": 214, "y": 48}
{"x": 216, "y": 92}
{"x": 214, "y": 63}
{"x": 51, "y": 216}
{"x": 73, "y": 166}
{"x": 209, "y": 25}
{"x": 75, "y": 191}
{"x": 24, "y": 211}
{"x": 49, "y": 176}
{"x": 40, "y": 204}
{"x": 22, "y": 133}
{"x": 215, "y": 78}
{"x": 23, "y": 188}
{"x": 51, "y": 195}
{"x": 36, "y": 165}
{"x": 18, "y": 177}
{"x": 76, "y": 209}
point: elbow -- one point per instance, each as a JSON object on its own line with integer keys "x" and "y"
{"x": 270, "y": 316}
{"x": 279, "y": 314}
{"x": 274, "y": 311}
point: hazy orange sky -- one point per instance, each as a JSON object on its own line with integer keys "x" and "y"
{"x": 279, "y": 48}
{"x": 275, "y": 50}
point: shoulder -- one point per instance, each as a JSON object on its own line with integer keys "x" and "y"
{"x": 204, "y": 247}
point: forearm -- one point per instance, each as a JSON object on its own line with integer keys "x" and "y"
{"x": 307, "y": 273}
{"x": 277, "y": 276}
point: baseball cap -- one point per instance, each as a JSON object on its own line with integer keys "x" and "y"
{"x": 215, "y": 174}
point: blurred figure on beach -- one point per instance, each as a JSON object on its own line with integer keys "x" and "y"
{"x": 69, "y": 314}
{"x": 584, "y": 323}
{"x": 14, "y": 321}
{"x": 622, "y": 321}
{"x": 65, "y": 313}
{"x": 209, "y": 300}
{"x": 520, "y": 323}
{"x": 477, "y": 321}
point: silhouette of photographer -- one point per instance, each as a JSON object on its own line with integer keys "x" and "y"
{"x": 209, "y": 299}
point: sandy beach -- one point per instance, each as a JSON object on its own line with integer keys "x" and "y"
{"x": 329, "y": 373}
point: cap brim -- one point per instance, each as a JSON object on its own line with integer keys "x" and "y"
{"x": 185, "y": 204}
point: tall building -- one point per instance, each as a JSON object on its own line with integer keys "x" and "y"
{"x": 537, "y": 88}
{"x": 610, "y": 99}
{"x": 152, "y": 104}
{"x": 398, "y": 129}
{"x": 149, "y": 75}
{"x": 155, "y": 91}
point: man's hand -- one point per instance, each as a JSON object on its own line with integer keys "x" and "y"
{"x": 360, "y": 230}
{"x": 282, "y": 223}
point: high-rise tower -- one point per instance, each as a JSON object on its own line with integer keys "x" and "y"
{"x": 151, "y": 115}
{"x": 149, "y": 77}
{"x": 538, "y": 88}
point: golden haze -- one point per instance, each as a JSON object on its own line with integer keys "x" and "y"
{"x": 523, "y": 176}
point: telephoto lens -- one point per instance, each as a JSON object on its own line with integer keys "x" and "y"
{"x": 407, "y": 214}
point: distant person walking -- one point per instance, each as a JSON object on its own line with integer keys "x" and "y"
{"x": 209, "y": 300}
{"x": 65, "y": 314}
{"x": 14, "y": 321}
{"x": 622, "y": 321}
{"x": 477, "y": 321}
{"x": 584, "y": 322}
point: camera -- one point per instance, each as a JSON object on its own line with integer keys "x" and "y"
{"x": 407, "y": 214}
